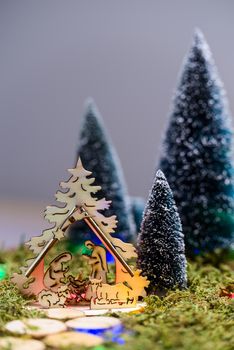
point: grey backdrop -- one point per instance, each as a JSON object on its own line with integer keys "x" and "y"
{"x": 125, "y": 54}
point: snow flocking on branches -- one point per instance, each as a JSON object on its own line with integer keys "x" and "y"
{"x": 197, "y": 154}
{"x": 161, "y": 241}
{"x": 99, "y": 156}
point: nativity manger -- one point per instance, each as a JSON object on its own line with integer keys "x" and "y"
{"x": 55, "y": 286}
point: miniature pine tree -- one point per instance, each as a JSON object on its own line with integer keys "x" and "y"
{"x": 197, "y": 155}
{"x": 161, "y": 242}
{"x": 98, "y": 155}
{"x": 138, "y": 205}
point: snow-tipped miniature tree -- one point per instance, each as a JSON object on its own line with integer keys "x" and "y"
{"x": 197, "y": 154}
{"x": 80, "y": 192}
{"x": 161, "y": 242}
{"x": 98, "y": 155}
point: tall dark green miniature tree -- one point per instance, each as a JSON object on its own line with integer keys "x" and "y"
{"x": 197, "y": 155}
{"x": 161, "y": 242}
{"x": 138, "y": 205}
{"x": 99, "y": 156}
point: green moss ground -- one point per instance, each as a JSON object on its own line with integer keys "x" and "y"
{"x": 195, "y": 319}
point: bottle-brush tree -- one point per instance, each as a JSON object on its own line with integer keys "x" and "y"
{"x": 197, "y": 154}
{"x": 161, "y": 242}
{"x": 99, "y": 156}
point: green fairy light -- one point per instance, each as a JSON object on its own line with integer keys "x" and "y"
{"x": 2, "y": 271}
{"x": 86, "y": 251}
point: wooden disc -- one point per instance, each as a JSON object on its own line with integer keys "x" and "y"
{"x": 67, "y": 339}
{"x": 64, "y": 314}
{"x": 36, "y": 327}
{"x": 93, "y": 323}
{"x": 21, "y": 344}
{"x": 98, "y": 312}
{"x": 91, "y": 312}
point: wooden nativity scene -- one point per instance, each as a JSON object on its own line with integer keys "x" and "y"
{"x": 54, "y": 285}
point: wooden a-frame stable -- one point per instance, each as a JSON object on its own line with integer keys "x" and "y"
{"x": 80, "y": 204}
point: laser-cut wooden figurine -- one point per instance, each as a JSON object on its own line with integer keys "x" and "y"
{"x": 56, "y": 286}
